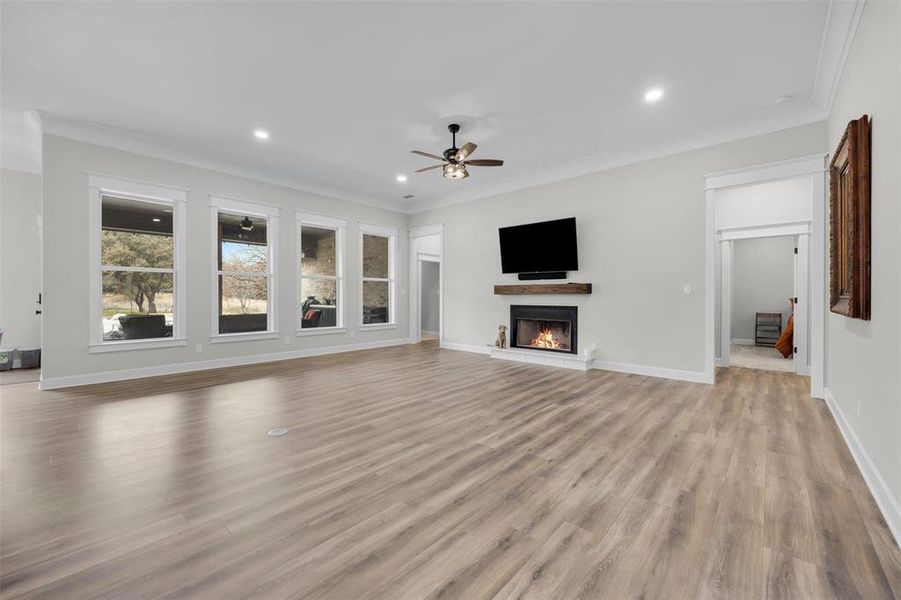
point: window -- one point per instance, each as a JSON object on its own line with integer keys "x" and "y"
{"x": 137, "y": 298}
{"x": 377, "y": 260}
{"x": 244, "y": 297}
{"x": 321, "y": 288}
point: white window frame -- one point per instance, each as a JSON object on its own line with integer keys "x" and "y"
{"x": 106, "y": 185}
{"x": 339, "y": 226}
{"x": 391, "y": 234}
{"x": 261, "y": 211}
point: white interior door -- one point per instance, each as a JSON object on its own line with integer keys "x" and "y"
{"x": 725, "y": 303}
{"x": 802, "y": 306}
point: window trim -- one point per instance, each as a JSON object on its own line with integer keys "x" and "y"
{"x": 340, "y": 228}
{"x": 227, "y": 204}
{"x": 100, "y": 185}
{"x": 391, "y": 234}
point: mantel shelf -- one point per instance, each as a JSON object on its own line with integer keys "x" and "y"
{"x": 543, "y": 288}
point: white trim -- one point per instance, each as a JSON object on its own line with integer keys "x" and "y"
{"x": 124, "y": 345}
{"x": 474, "y": 348}
{"x": 709, "y": 292}
{"x": 763, "y": 231}
{"x": 842, "y": 19}
{"x": 339, "y": 226}
{"x": 219, "y": 363}
{"x": 219, "y": 203}
{"x": 244, "y": 336}
{"x": 693, "y": 376}
{"x": 112, "y": 184}
{"x": 661, "y": 372}
{"x": 727, "y": 263}
{"x": 774, "y": 171}
{"x": 816, "y": 276}
{"x": 377, "y": 326}
{"x": 426, "y": 230}
{"x": 742, "y": 342}
{"x": 311, "y": 331}
{"x": 888, "y": 504}
{"x": 391, "y": 234}
{"x": 139, "y": 191}
{"x": 423, "y": 332}
{"x": 110, "y": 137}
{"x": 562, "y": 360}
{"x": 242, "y": 206}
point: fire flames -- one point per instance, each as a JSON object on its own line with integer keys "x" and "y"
{"x": 545, "y": 339}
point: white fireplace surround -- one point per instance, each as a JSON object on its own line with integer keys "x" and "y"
{"x": 577, "y": 362}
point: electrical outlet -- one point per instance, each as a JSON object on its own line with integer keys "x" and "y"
{"x": 198, "y": 348}
{"x": 287, "y": 340}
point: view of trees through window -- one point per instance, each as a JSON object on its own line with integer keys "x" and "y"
{"x": 243, "y": 273}
{"x": 138, "y": 274}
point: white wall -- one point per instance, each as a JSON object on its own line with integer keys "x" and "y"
{"x": 863, "y": 357}
{"x": 641, "y": 237}
{"x": 763, "y": 279}
{"x": 20, "y": 258}
{"x": 65, "y": 333}
{"x": 429, "y": 297}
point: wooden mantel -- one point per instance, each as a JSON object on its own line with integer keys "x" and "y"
{"x": 543, "y": 288}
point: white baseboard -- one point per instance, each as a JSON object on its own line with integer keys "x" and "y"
{"x": 429, "y": 333}
{"x": 886, "y": 501}
{"x": 695, "y": 376}
{"x": 742, "y": 342}
{"x": 466, "y": 347}
{"x": 53, "y": 383}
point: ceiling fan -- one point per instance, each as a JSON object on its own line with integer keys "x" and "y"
{"x": 454, "y": 159}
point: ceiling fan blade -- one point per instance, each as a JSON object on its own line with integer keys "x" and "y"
{"x": 467, "y": 149}
{"x": 427, "y": 155}
{"x": 427, "y": 168}
{"x": 484, "y": 162}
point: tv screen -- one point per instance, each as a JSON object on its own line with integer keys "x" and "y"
{"x": 539, "y": 247}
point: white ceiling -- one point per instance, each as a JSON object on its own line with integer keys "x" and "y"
{"x": 347, "y": 89}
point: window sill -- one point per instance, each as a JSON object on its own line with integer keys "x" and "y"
{"x": 320, "y": 331}
{"x": 136, "y": 345}
{"x": 378, "y": 326}
{"x": 223, "y": 338}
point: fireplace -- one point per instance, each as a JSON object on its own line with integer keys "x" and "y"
{"x": 546, "y": 328}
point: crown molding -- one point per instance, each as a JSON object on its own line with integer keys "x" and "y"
{"x": 110, "y": 137}
{"x": 842, "y": 18}
{"x": 697, "y": 139}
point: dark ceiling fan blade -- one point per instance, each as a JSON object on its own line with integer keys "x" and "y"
{"x": 427, "y": 155}
{"x": 484, "y": 162}
{"x": 467, "y": 149}
{"x": 427, "y": 168}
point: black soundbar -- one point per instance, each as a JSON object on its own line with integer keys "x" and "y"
{"x": 545, "y": 275}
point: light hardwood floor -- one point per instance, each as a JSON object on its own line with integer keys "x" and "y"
{"x": 413, "y": 472}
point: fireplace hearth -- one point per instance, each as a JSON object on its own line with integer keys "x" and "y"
{"x": 544, "y": 328}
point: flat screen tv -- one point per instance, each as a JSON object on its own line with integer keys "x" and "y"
{"x": 539, "y": 247}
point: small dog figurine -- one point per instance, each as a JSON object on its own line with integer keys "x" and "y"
{"x": 501, "y": 336}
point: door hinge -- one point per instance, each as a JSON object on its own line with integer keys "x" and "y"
{"x": 796, "y": 250}
{"x": 795, "y": 299}
{"x": 795, "y": 349}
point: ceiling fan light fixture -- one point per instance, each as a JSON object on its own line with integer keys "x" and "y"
{"x": 454, "y": 171}
{"x": 247, "y": 224}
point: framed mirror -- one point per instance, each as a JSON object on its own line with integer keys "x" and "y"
{"x": 849, "y": 222}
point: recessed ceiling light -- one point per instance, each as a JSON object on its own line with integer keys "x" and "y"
{"x": 401, "y": 178}
{"x": 156, "y": 220}
{"x": 261, "y": 134}
{"x": 653, "y": 95}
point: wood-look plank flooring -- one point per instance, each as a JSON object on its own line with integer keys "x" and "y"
{"x": 414, "y": 472}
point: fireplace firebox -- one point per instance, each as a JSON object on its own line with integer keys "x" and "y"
{"x": 547, "y": 328}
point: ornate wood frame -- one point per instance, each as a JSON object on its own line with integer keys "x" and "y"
{"x": 849, "y": 222}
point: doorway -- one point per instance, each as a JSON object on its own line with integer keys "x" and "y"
{"x": 426, "y": 284}
{"x": 763, "y": 324}
{"x": 786, "y": 198}
{"x": 429, "y": 297}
